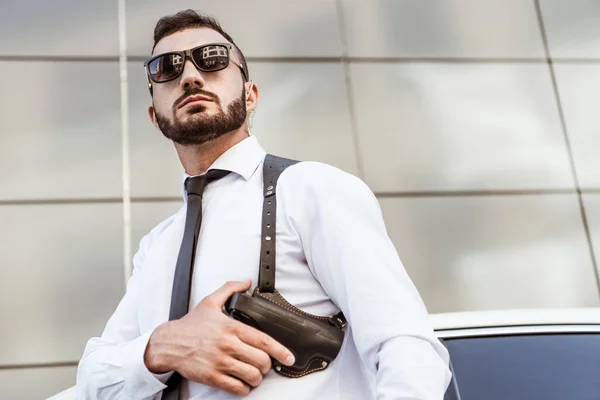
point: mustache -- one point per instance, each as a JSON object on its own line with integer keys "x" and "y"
{"x": 195, "y": 90}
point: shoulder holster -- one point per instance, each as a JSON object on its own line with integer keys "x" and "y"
{"x": 314, "y": 340}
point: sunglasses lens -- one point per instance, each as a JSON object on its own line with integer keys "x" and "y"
{"x": 211, "y": 58}
{"x": 166, "y": 67}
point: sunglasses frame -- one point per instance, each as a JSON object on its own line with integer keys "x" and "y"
{"x": 187, "y": 54}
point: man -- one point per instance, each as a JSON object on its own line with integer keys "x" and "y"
{"x": 333, "y": 254}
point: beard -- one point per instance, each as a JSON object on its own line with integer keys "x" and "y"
{"x": 200, "y": 128}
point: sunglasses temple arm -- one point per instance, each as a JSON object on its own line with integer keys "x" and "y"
{"x": 148, "y": 79}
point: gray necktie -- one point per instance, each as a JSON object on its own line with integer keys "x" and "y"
{"x": 182, "y": 281}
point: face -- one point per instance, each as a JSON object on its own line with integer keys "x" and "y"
{"x": 220, "y": 100}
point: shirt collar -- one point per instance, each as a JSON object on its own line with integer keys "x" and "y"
{"x": 242, "y": 159}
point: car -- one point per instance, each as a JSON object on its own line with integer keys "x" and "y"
{"x": 528, "y": 354}
{"x": 522, "y": 354}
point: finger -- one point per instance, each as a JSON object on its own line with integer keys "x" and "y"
{"x": 245, "y": 372}
{"x": 220, "y": 296}
{"x": 253, "y": 356}
{"x": 229, "y": 384}
{"x": 264, "y": 342}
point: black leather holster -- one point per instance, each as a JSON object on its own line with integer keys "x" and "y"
{"x": 315, "y": 341}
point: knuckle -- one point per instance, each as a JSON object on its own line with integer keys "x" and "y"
{"x": 264, "y": 362}
{"x": 223, "y": 363}
{"x": 222, "y": 382}
{"x": 231, "y": 329}
{"x": 235, "y": 387}
{"x": 239, "y": 389}
{"x": 211, "y": 379}
{"x": 227, "y": 346}
{"x": 255, "y": 377}
{"x": 263, "y": 341}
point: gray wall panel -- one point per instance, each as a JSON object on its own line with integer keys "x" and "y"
{"x": 480, "y": 253}
{"x": 59, "y": 28}
{"x": 262, "y": 28}
{"x": 61, "y": 133}
{"x": 303, "y": 112}
{"x": 62, "y": 277}
{"x": 35, "y": 383}
{"x": 579, "y": 88}
{"x": 155, "y": 168}
{"x": 572, "y": 27}
{"x": 459, "y": 126}
{"x": 450, "y": 28}
{"x": 145, "y": 216}
{"x": 592, "y": 209}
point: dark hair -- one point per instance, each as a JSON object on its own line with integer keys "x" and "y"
{"x": 187, "y": 19}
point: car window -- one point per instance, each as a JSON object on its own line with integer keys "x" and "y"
{"x": 526, "y": 367}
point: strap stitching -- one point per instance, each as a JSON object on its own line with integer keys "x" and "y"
{"x": 305, "y": 371}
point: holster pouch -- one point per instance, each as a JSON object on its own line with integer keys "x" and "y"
{"x": 315, "y": 341}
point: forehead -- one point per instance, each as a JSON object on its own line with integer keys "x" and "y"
{"x": 188, "y": 39}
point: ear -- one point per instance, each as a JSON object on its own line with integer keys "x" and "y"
{"x": 152, "y": 116}
{"x": 251, "y": 96}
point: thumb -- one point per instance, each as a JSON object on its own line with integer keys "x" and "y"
{"x": 220, "y": 296}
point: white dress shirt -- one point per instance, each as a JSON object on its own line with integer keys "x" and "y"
{"x": 333, "y": 253}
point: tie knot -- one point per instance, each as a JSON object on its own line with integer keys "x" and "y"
{"x": 197, "y": 184}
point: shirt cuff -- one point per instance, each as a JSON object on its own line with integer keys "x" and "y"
{"x": 149, "y": 383}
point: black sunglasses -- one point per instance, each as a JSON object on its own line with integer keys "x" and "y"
{"x": 210, "y": 57}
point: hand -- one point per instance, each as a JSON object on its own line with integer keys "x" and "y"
{"x": 208, "y": 347}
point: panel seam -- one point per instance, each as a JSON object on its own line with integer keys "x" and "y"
{"x": 126, "y": 174}
{"x": 563, "y": 123}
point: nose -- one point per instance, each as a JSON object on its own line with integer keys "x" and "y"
{"x": 191, "y": 77}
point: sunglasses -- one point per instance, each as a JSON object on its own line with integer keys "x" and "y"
{"x": 210, "y": 57}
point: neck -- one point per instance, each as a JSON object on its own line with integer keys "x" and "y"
{"x": 197, "y": 158}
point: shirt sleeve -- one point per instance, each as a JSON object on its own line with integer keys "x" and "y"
{"x": 346, "y": 244}
{"x": 112, "y": 366}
